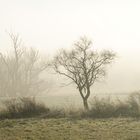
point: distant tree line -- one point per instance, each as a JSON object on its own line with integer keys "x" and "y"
{"x": 20, "y": 71}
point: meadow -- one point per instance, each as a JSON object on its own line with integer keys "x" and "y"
{"x": 70, "y": 129}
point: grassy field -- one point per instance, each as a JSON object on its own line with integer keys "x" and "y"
{"x": 70, "y": 129}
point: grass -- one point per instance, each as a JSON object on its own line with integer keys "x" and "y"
{"x": 70, "y": 129}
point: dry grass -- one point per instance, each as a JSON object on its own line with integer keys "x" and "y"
{"x": 70, "y": 129}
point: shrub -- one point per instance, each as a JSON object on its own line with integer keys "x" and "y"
{"x": 22, "y": 107}
{"x": 101, "y": 108}
{"x": 105, "y": 108}
{"x": 74, "y": 113}
{"x": 122, "y": 109}
{"x": 55, "y": 113}
{"x": 134, "y": 104}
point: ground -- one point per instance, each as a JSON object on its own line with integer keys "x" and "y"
{"x": 70, "y": 129}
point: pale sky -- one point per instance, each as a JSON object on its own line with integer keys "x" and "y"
{"x": 52, "y": 24}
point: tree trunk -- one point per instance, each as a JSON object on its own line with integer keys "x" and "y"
{"x": 85, "y": 102}
{"x": 85, "y": 98}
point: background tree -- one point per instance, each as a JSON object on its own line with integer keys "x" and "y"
{"x": 83, "y": 66}
{"x": 21, "y": 70}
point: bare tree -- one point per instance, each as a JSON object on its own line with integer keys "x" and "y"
{"x": 20, "y": 71}
{"x": 83, "y": 66}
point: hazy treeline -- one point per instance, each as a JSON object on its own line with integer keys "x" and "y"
{"x": 20, "y": 70}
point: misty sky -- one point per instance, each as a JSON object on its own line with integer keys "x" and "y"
{"x": 51, "y": 24}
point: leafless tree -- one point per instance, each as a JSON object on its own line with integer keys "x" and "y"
{"x": 20, "y": 71}
{"x": 83, "y": 66}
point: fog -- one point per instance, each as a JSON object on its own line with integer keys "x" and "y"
{"x": 50, "y": 24}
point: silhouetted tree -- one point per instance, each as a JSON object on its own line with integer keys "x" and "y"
{"x": 83, "y": 66}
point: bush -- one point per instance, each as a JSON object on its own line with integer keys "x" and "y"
{"x": 22, "y": 107}
{"x": 74, "y": 113}
{"x": 101, "y": 108}
{"x": 134, "y": 104}
{"x": 105, "y": 108}
{"x": 55, "y": 113}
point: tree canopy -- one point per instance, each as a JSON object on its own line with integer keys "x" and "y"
{"x": 83, "y": 65}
